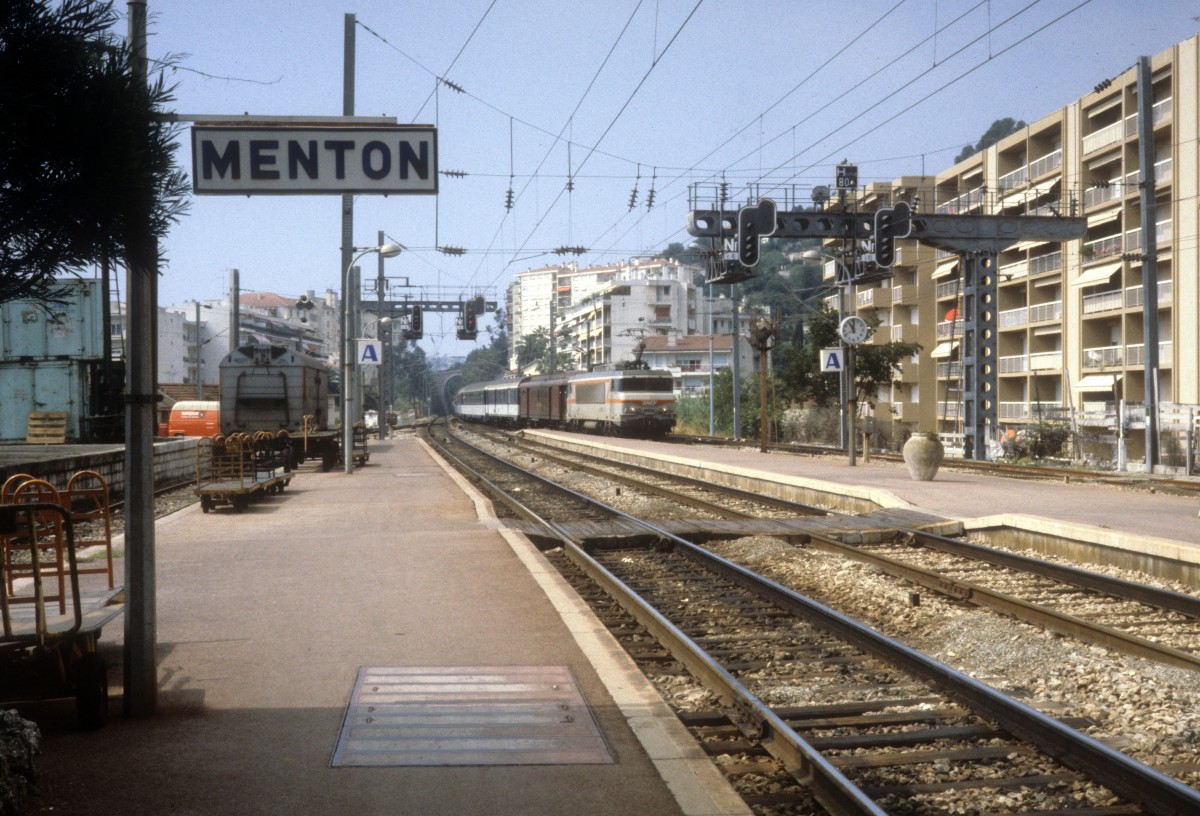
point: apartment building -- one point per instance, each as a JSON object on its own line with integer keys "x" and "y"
{"x": 600, "y": 313}
{"x": 1071, "y": 316}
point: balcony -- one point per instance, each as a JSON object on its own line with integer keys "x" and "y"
{"x": 1045, "y": 263}
{"x": 1164, "y": 231}
{"x": 872, "y": 298}
{"x": 949, "y": 328}
{"x": 1109, "y": 190}
{"x": 1012, "y": 318}
{"x": 1046, "y": 312}
{"x": 1045, "y": 361}
{"x": 905, "y": 293}
{"x": 947, "y": 290}
{"x": 970, "y": 200}
{"x": 904, "y": 333}
{"x": 1046, "y": 164}
{"x": 1103, "y": 357}
{"x": 1133, "y": 295}
{"x": 951, "y": 370}
{"x": 1014, "y": 179}
{"x": 1014, "y": 364}
{"x": 1135, "y": 354}
{"x": 1102, "y": 248}
{"x": 1028, "y": 410}
{"x": 1105, "y": 136}
{"x": 1110, "y": 301}
{"x": 1014, "y": 270}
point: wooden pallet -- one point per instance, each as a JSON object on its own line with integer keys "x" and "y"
{"x": 46, "y": 428}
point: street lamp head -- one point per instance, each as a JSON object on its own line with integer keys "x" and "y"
{"x": 389, "y": 250}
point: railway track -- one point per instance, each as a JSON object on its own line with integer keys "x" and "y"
{"x": 1135, "y": 619}
{"x": 862, "y": 723}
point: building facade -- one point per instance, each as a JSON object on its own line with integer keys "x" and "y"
{"x": 1072, "y": 316}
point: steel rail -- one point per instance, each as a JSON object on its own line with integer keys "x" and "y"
{"x": 829, "y": 785}
{"x": 1160, "y": 794}
{"x": 1061, "y": 622}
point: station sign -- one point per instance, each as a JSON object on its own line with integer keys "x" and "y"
{"x": 370, "y": 352}
{"x": 833, "y": 359}
{"x": 314, "y": 160}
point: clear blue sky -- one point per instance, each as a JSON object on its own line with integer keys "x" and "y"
{"x": 689, "y": 91}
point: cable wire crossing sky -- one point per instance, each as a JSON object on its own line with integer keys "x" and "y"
{"x": 575, "y": 137}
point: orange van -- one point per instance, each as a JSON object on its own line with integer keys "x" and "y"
{"x": 194, "y": 418}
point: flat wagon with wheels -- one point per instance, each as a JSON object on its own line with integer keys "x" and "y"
{"x": 44, "y": 650}
{"x": 236, "y": 469}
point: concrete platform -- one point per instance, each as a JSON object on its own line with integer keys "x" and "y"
{"x": 1155, "y": 525}
{"x": 266, "y": 617}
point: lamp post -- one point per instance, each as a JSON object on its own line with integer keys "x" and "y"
{"x": 846, "y": 375}
{"x": 348, "y": 352}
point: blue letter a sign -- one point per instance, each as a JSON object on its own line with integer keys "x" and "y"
{"x": 370, "y": 352}
{"x": 831, "y": 359}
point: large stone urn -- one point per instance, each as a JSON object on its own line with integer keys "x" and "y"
{"x": 923, "y": 456}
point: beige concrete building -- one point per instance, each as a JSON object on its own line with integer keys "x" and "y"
{"x": 1071, "y": 314}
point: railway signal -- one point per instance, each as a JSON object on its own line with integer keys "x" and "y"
{"x": 415, "y": 330}
{"x": 469, "y": 328}
{"x": 891, "y": 223}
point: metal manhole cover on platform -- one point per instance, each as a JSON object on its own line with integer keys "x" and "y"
{"x": 468, "y": 715}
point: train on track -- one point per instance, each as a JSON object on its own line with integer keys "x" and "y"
{"x": 624, "y": 402}
{"x": 275, "y": 389}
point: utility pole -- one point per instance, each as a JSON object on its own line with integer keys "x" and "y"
{"x": 141, "y": 634}
{"x": 347, "y": 257}
{"x": 1145, "y": 91}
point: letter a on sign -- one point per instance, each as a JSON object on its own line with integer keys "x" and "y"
{"x": 831, "y": 359}
{"x": 370, "y": 352}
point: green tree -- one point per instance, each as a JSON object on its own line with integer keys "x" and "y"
{"x": 875, "y": 365}
{"x": 999, "y": 129}
{"x": 87, "y": 169}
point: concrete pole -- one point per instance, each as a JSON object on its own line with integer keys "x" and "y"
{"x": 141, "y": 672}
{"x": 1145, "y": 92}
{"x": 347, "y": 256}
{"x": 199, "y": 375}
{"x": 737, "y": 374}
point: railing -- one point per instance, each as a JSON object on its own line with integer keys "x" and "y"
{"x": 949, "y": 328}
{"x": 1043, "y": 312}
{"x": 1049, "y": 162}
{"x": 952, "y": 370}
{"x": 1012, "y": 318}
{"x": 867, "y": 298}
{"x": 947, "y": 290}
{"x": 1049, "y": 208}
{"x": 1098, "y": 195}
{"x": 1111, "y": 134}
{"x": 1103, "y": 356}
{"x": 963, "y": 203}
{"x": 1103, "y": 302}
{"x": 1045, "y": 263}
{"x": 949, "y": 410}
{"x": 1014, "y": 179}
{"x": 1014, "y": 364}
{"x": 1164, "y": 231}
{"x": 1135, "y": 354}
{"x": 1102, "y": 248}
{"x": 903, "y": 292}
{"x": 1028, "y": 410}
{"x": 1045, "y": 361}
{"x": 1014, "y": 270}
{"x": 1134, "y": 299}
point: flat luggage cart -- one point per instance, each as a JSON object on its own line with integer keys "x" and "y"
{"x": 48, "y": 654}
{"x": 238, "y": 468}
{"x": 361, "y": 454}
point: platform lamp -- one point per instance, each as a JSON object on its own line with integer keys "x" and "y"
{"x": 389, "y": 250}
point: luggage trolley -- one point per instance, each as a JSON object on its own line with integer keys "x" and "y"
{"x": 240, "y": 467}
{"x": 46, "y": 652}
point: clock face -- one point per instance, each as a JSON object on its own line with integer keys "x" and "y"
{"x": 854, "y": 330}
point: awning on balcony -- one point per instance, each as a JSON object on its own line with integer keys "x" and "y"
{"x": 1021, "y": 246}
{"x": 1043, "y": 187}
{"x": 945, "y": 269}
{"x": 1097, "y": 274}
{"x": 1103, "y": 218}
{"x": 944, "y": 349}
{"x": 1097, "y": 382}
